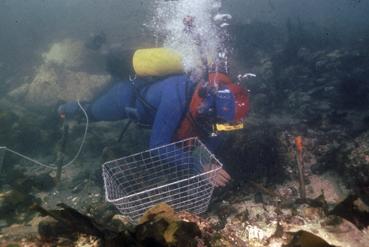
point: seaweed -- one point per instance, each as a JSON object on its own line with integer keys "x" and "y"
{"x": 353, "y": 209}
{"x": 158, "y": 227}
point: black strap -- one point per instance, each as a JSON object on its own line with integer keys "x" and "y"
{"x": 124, "y": 130}
{"x": 137, "y": 95}
{"x": 196, "y": 123}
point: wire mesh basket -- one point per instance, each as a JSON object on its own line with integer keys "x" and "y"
{"x": 179, "y": 174}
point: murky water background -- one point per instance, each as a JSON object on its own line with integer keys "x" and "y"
{"x": 310, "y": 57}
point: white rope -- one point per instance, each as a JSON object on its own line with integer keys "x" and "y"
{"x": 83, "y": 139}
{"x": 53, "y": 166}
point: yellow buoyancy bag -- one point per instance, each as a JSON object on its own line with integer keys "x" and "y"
{"x": 157, "y": 62}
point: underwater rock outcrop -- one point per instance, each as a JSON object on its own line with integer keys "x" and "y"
{"x": 50, "y": 86}
{"x": 67, "y": 53}
{"x": 160, "y": 226}
{"x": 68, "y": 72}
{"x": 296, "y": 223}
{"x": 355, "y": 164}
{"x": 292, "y": 223}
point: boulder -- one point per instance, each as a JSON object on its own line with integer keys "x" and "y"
{"x": 68, "y": 53}
{"x": 68, "y": 71}
{"x": 51, "y": 85}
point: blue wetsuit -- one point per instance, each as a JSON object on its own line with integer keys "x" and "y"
{"x": 170, "y": 98}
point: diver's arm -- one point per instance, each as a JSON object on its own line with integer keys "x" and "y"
{"x": 108, "y": 107}
{"x": 111, "y": 105}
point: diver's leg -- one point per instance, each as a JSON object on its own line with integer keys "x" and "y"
{"x": 111, "y": 106}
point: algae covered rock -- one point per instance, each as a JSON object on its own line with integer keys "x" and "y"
{"x": 160, "y": 227}
{"x": 68, "y": 71}
{"x": 51, "y": 85}
{"x": 355, "y": 164}
{"x": 68, "y": 53}
{"x": 307, "y": 224}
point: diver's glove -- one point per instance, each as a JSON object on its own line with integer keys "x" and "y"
{"x": 69, "y": 109}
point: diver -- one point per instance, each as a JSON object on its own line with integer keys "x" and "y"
{"x": 175, "y": 107}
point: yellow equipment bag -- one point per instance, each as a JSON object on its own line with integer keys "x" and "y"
{"x": 157, "y": 62}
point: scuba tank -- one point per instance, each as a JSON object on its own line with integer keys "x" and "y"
{"x": 157, "y": 62}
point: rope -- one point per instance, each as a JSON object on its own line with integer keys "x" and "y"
{"x": 53, "y": 166}
{"x": 83, "y": 139}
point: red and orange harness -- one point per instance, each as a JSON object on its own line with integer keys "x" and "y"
{"x": 188, "y": 127}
